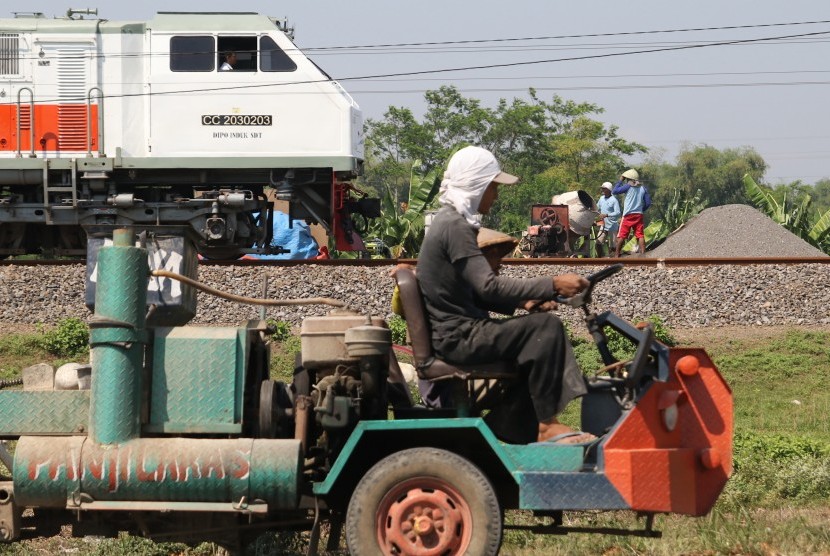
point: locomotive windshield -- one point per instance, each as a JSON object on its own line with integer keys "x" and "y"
{"x": 273, "y": 58}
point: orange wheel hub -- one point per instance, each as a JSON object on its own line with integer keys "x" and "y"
{"x": 424, "y": 516}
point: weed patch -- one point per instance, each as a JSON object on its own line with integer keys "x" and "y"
{"x": 69, "y": 338}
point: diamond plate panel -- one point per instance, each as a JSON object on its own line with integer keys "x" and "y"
{"x": 545, "y": 457}
{"x": 197, "y": 379}
{"x": 44, "y": 412}
{"x": 655, "y": 469}
{"x": 568, "y": 491}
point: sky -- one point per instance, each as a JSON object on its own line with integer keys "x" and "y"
{"x": 767, "y": 90}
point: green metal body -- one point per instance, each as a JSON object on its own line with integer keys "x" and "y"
{"x": 117, "y": 341}
{"x": 197, "y": 380}
{"x": 197, "y": 387}
{"x": 670, "y": 452}
{"x": 462, "y": 434}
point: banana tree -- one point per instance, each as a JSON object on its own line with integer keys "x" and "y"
{"x": 679, "y": 210}
{"x": 794, "y": 216}
{"x": 401, "y": 226}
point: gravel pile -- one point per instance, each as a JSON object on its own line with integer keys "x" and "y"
{"x": 696, "y": 296}
{"x": 733, "y": 231}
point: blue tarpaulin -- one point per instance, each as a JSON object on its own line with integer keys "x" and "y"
{"x": 297, "y": 239}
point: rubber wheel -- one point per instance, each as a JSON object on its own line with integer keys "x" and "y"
{"x": 424, "y": 501}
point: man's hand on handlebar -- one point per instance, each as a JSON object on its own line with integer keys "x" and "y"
{"x": 537, "y": 306}
{"x": 568, "y": 285}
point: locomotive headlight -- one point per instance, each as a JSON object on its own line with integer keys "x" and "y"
{"x": 215, "y": 228}
{"x": 667, "y": 404}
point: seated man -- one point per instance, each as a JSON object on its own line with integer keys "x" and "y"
{"x": 494, "y": 246}
{"x": 460, "y": 288}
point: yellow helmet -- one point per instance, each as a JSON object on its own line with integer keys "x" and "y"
{"x": 631, "y": 174}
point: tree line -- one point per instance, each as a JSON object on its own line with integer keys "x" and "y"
{"x": 555, "y": 146}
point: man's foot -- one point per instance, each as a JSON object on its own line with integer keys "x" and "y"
{"x": 573, "y": 438}
{"x": 559, "y": 433}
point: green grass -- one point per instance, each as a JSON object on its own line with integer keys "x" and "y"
{"x": 283, "y": 357}
{"x": 781, "y": 387}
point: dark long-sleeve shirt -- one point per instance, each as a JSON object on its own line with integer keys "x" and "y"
{"x": 458, "y": 283}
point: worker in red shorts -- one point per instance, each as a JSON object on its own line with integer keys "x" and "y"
{"x": 636, "y": 202}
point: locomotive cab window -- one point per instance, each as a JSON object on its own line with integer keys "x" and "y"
{"x": 273, "y": 57}
{"x": 191, "y": 53}
{"x": 239, "y": 53}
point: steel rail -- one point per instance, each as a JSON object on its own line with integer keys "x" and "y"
{"x": 627, "y": 261}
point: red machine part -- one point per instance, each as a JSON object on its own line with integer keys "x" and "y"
{"x": 345, "y": 236}
{"x": 673, "y": 452}
{"x": 424, "y": 516}
{"x": 549, "y": 215}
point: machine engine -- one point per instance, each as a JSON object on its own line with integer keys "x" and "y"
{"x": 547, "y": 235}
{"x": 556, "y": 229}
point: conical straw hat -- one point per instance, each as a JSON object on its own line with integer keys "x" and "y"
{"x": 502, "y": 243}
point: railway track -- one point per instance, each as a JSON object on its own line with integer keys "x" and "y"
{"x": 686, "y": 292}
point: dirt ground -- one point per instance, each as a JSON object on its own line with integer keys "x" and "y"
{"x": 714, "y": 337}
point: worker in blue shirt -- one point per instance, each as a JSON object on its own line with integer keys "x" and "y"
{"x": 636, "y": 202}
{"x": 609, "y": 215}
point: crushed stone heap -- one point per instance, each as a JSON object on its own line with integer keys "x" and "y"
{"x": 733, "y": 231}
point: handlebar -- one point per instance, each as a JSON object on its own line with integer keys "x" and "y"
{"x": 606, "y": 272}
{"x": 584, "y": 297}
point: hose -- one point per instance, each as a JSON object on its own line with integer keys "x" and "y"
{"x": 248, "y": 300}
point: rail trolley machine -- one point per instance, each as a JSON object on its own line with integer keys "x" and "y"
{"x": 180, "y": 432}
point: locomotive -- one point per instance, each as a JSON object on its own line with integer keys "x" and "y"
{"x": 105, "y": 124}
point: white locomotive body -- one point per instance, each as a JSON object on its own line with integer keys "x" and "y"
{"x": 106, "y": 123}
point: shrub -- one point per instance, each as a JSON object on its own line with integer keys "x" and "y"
{"x": 398, "y": 327}
{"x": 282, "y": 329}
{"x": 69, "y": 339}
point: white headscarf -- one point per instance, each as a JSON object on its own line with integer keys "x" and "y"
{"x": 468, "y": 174}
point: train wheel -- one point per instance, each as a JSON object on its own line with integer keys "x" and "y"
{"x": 424, "y": 501}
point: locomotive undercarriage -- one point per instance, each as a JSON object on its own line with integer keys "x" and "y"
{"x": 227, "y": 213}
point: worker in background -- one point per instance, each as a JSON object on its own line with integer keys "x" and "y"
{"x": 459, "y": 287}
{"x": 636, "y": 203}
{"x": 609, "y": 218}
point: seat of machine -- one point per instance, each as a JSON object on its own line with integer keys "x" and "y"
{"x": 427, "y": 365}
